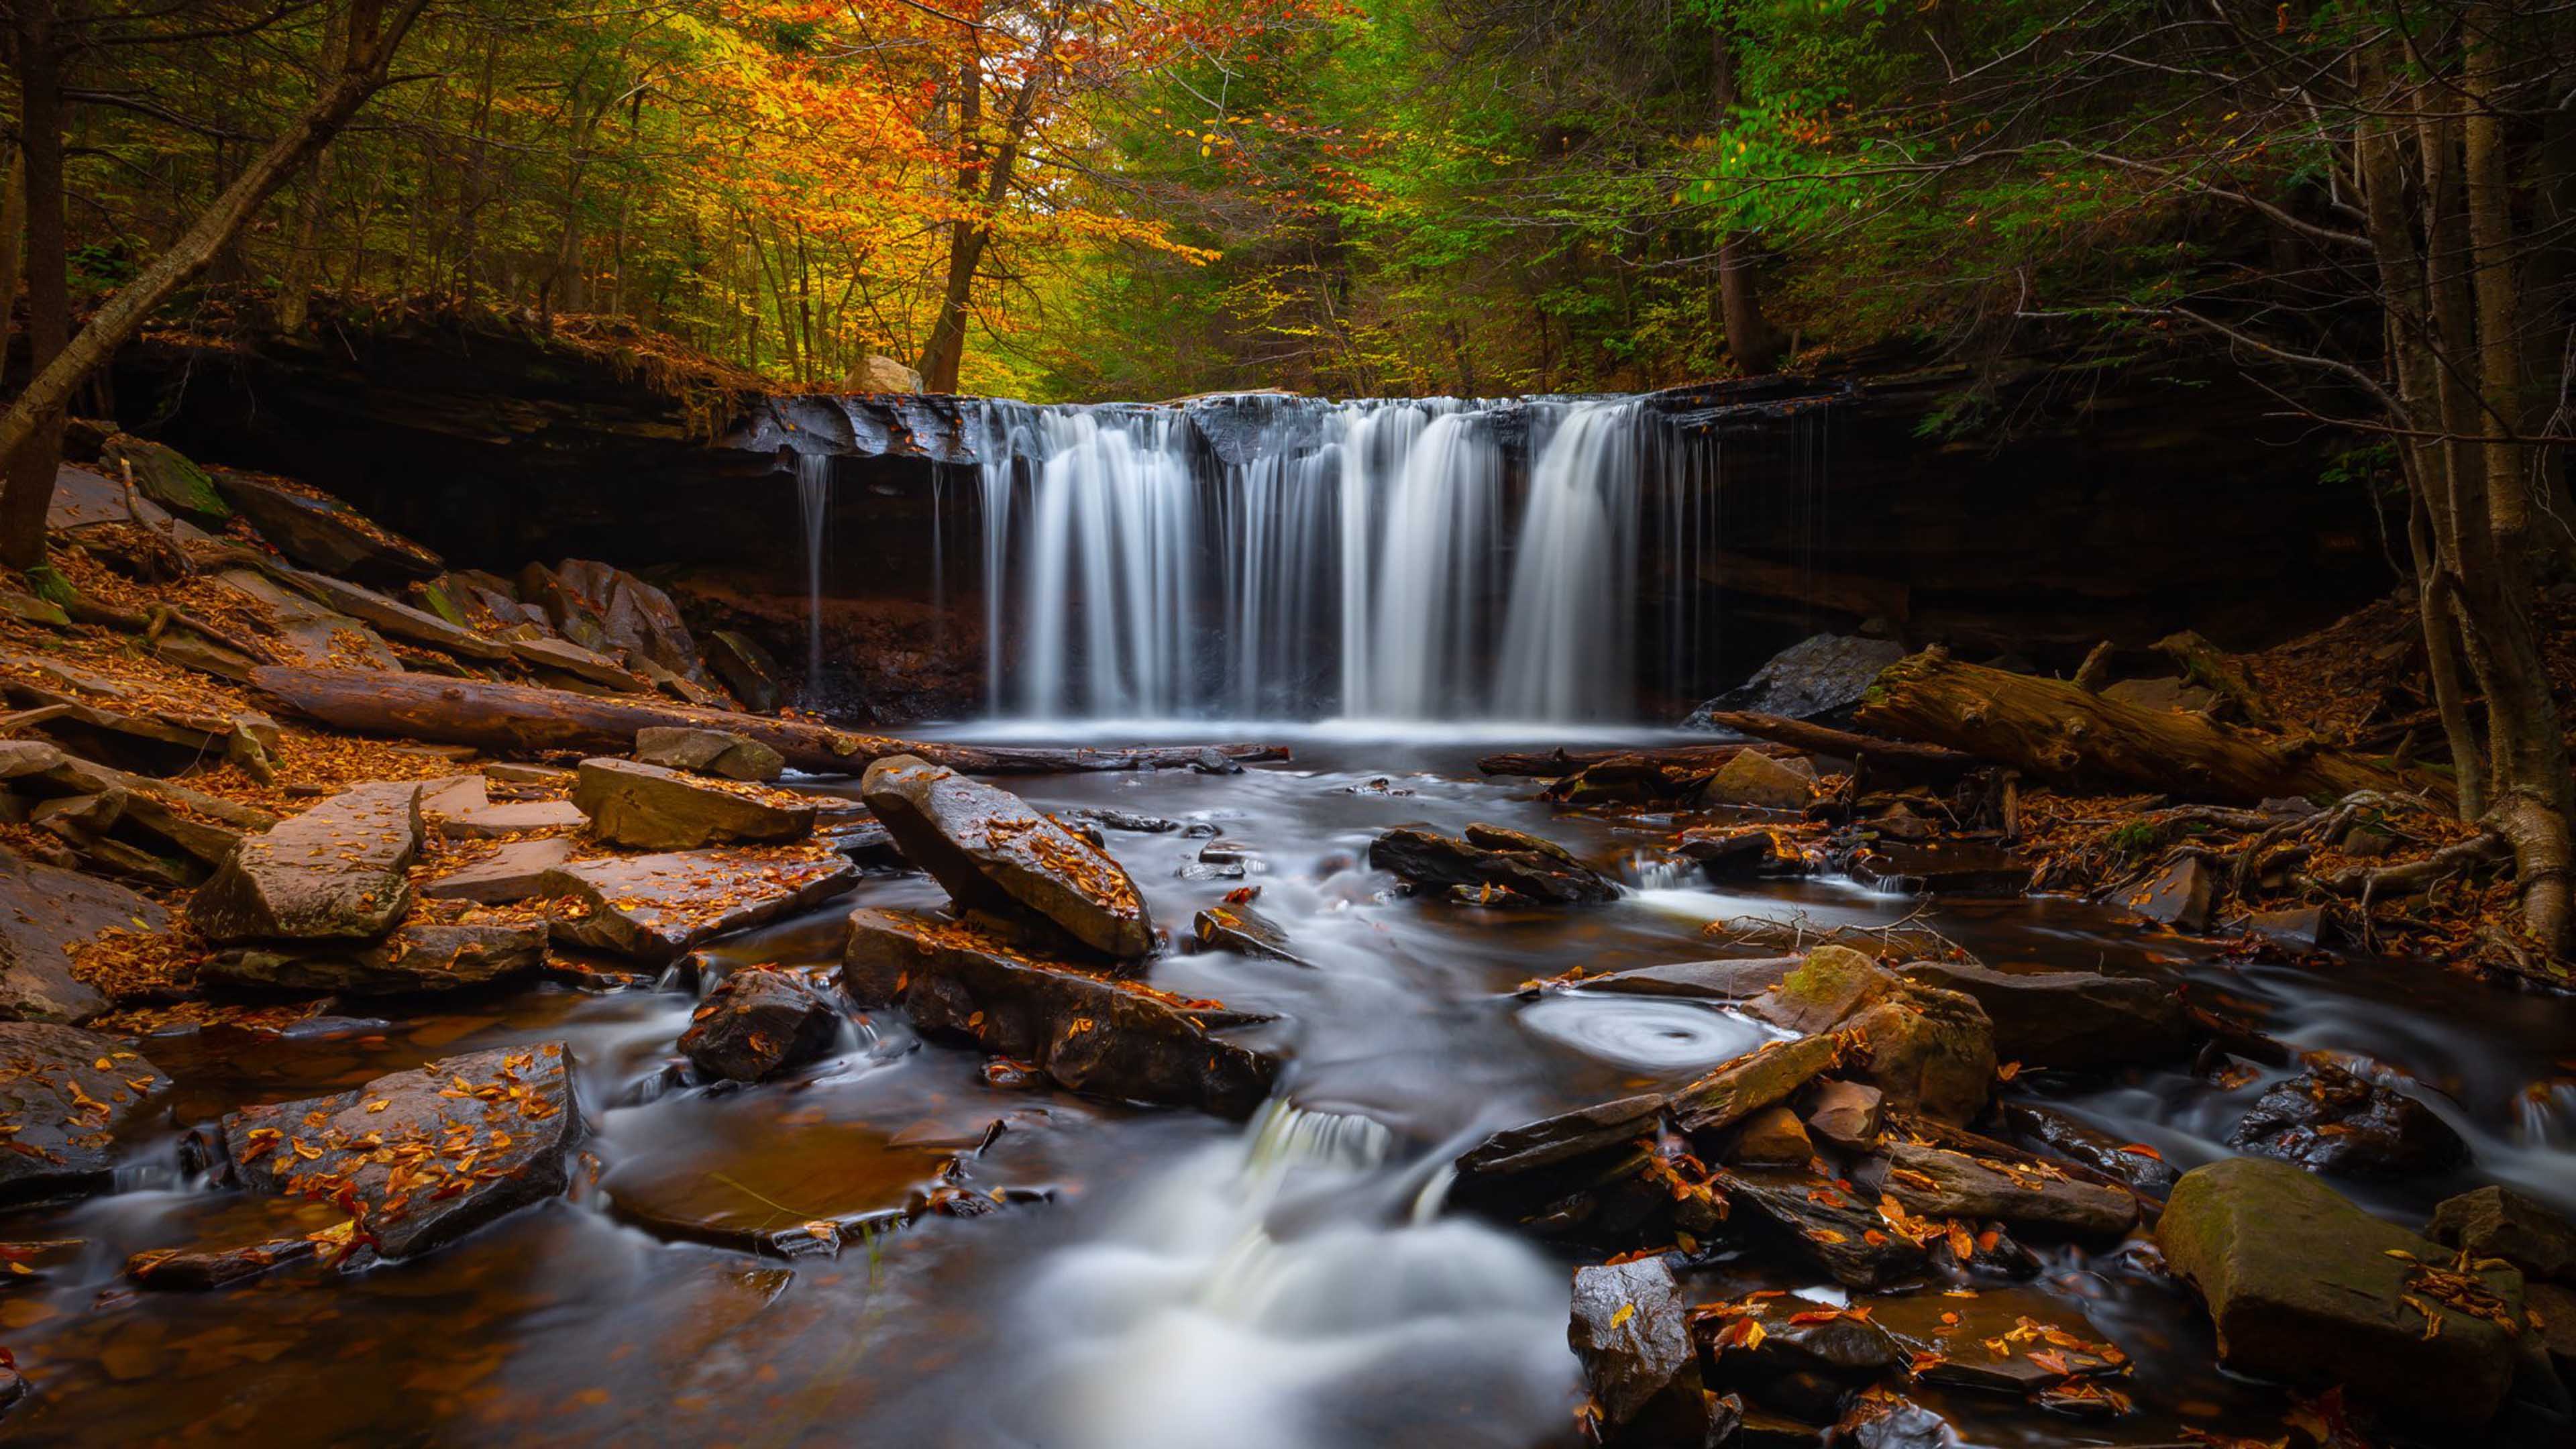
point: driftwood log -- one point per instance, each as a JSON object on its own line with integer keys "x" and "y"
{"x": 492, "y": 716}
{"x": 1929, "y": 763}
{"x": 2054, "y": 730}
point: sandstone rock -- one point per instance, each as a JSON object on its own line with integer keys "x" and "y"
{"x": 307, "y": 633}
{"x": 1820, "y": 677}
{"x": 84, "y": 497}
{"x": 756, "y": 1024}
{"x": 746, "y": 669}
{"x": 326, "y": 534}
{"x": 709, "y": 752}
{"x": 2298, "y": 930}
{"x": 1935, "y": 1182}
{"x": 2328, "y": 1120}
{"x": 2074, "y": 1019}
{"x": 994, "y": 853}
{"x": 519, "y": 817}
{"x": 1847, "y": 1114}
{"x": 2497, "y": 1222}
{"x": 426, "y": 1156}
{"x": 506, "y": 772}
{"x": 878, "y": 373}
{"x": 63, "y": 1091}
{"x": 46, "y": 915}
{"x": 1830, "y": 986}
{"x": 420, "y": 956}
{"x": 1631, "y": 1328}
{"x": 650, "y": 808}
{"x": 1954, "y": 869}
{"x": 1088, "y": 1033}
{"x": 248, "y": 1238}
{"x": 2180, "y": 897}
{"x": 515, "y": 872}
{"x": 2306, "y": 1287}
{"x": 1243, "y": 929}
{"x": 335, "y": 872}
{"x": 1824, "y": 1224}
{"x": 1762, "y": 782}
{"x": 1930, "y": 1051}
{"x": 2073, "y": 1140}
{"x": 1439, "y": 863}
{"x": 1773, "y": 1137}
{"x": 657, "y": 908}
{"x": 164, "y": 475}
{"x": 1699, "y": 980}
{"x": 396, "y": 618}
{"x": 1960, "y": 1338}
{"x": 588, "y": 665}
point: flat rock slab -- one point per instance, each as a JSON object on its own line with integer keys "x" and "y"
{"x": 307, "y": 633}
{"x": 517, "y": 871}
{"x": 567, "y": 657}
{"x": 62, "y": 1092}
{"x": 657, "y": 908}
{"x": 1835, "y": 1228}
{"x": 326, "y": 534}
{"x": 2003, "y": 1340}
{"x": 394, "y": 617}
{"x": 1698, "y": 980}
{"x": 2076, "y": 1019}
{"x": 648, "y": 807}
{"x": 1428, "y": 860}
{"x": 420, "y": 956}
{"x": 519, "y": 817}
{"x": 421, "y": 1158}
{"x": 45, "y": 916}
{"x": 756, "y": 1024}
{"x": 1937, "y": 1182}
{"x": 335, "y": 872}
{"x": 709, "y": 752}
{"x": 1088, "y": 1033}
{"x": 1245, "y": 930}
{"x": 994, "y": 852}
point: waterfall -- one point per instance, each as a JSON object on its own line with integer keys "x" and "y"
{"x": 814, "y": 493}
{"x": 1566, "y": 652}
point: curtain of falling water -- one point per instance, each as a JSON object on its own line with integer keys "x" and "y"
{"x": 814, "y": 492}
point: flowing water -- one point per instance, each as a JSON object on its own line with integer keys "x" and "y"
{"x": 1157, "y": 1279}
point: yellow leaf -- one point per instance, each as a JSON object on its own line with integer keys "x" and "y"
{"x": 1626, "y": 1312}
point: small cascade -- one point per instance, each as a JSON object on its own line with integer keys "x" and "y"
{"x": 814, "y": 495}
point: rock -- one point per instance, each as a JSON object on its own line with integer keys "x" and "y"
{"x": 1088, "y": 1033}
{"x": 2129, "y": 1162}
{"x": 1825, "y": 1224}
{"x": 709, "y": 752}
{"x": 1441, "y": 863}
{"x": 1214, "y": 762}
{"x": 164, "y": 475}
{"x": 1954, "y": 869}
{"x": 335, "y": 872}
{"x": 1762, "y": 782}
{"x": 518, "y": 870}
{"x": 2308, "y": 1288}
{"x": 1124, "y": 820}
{"x": 2556, "y": 1307}
{"x": 2074, "y": 1019}
{"x": 746, "y": 669}
{"x": 657, "y": 908}
{"x": 2327, "y": 1119}
{"x": 2299, "y": 931}
{"x": 63, "y": 1091}
{"x": 2179, "y": 897}
{"x": 399, "y": 619}
{"x": 1830, "y": 986}
{"x": 1773, "y": 1137}
{"x": 1846, "y": 1114}
{"x": 756, "y": 1024}
{"x": 2497, "y": 1222}
{"x": 1927, "y": 1049}
{"x": 588, "y": 665}
{"x": 994, "y": 853}
{"x": 878, "y": 373}
{"x": 1698, "y": 980}
{"x": 2046, "y": 1346}
{"x": 519, "y": 817}
{"x": 27, "y": 757}
{"x": 253, "y": 1236}
{"x": 1820, "y": 677}
{"x": 84, "y": 497}
{"x": 425, "y": 1156}
{"x": 324, "y": 533}
{"x": 648, "y": 807}
{"x": 307, "y": 633}
{"x": 504, "y": 772}
{"x": 1936, "y": 1182}
{"x": 420, "y": 956}
{"x": 1896, "y": 1423}
{"x": 1243, "y": 929}
{"x": 1631, "y": 1329}
{"x": 46, "y": 916}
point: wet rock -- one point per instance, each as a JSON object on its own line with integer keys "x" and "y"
{"x": 992, "y": 852}
{"x": 2308, "y": 1288}
{"x": 2497, "y": 1222}
{"x": 1896, "y": 1423}
{"x": 425, "y": 1156}
{"x": 46, "y": 916}
{"x": 657, "y": 908}
{"x": 248, "y": 1238}
{"x": 1201, "y": 870}
{"x": 1439, "y": 863}
{"x": 517, "y": 871}
{"x": 2179, "y": 897}
{"x": 1927, "y": 1049}
{"x": 2555, "y": 1306}
{"x": 2300, "y": 930}
{"x": 2327, "y": 1119}
{"x": 1243, "y": 929}
{"x": 746, "y": 669}
{"x": 2075, "y": 1019}
{"x": 1829, "y": 986}
{"x": 1942, "y": 870}
{"x": 334, "y": 872}
{"x": 1088, "y": 1033}
{"x": 1736, "y": 853}
{"x": 1631, "y": 1330}
{"x": 1828, "y": 1225}
{"x": 1759, "y": 1428}
{"x": 324, "y": 533}
{"x": 2003, "y": 1340}
{"x": 1846, "y": 1114}
{"x": 1214, "y": 762}
{"x": 756, "y": 1024}
{"x": 391, "y": 616}
{"x": 420, "y": 956}
{"x": 709, "y": 752}
{"x": 1820, "y": 677}
{"x": 1762, "y": 782}
{"x": 1125, "y": 820}
{"x": 2127, "y": 1161}
{"x": 518, "y": 817}
{"x": 1773, "y": 1136}
{"x": 1699, "y": 980}
{"x": 63, "y": 1091}
{"x": 647, "y": 807}
{"x": 1936, "y": 1182}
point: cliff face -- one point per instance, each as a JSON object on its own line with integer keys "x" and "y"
{"x": 2105, "y": 503}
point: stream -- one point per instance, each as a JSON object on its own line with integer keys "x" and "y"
{"x": 1151, "y": 1278}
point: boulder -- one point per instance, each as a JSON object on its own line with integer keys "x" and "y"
{"x": 1089, "y": 1033}
{"x": 1928, "y": 1049}
{"x": 1827, "y": 988}
{"x": 2131, "y": 1162}
{"x": 1631, "y": 1329}
{"x": 1824, "y": 1223}
{"x": 420, "y": 956}
{"x": 63, "y": 1092}
{"x": 746, "y": 669}
{"x": 709, "y": 752}
{"x": 1699, "y": 980}
{"x": 391, "y": 616}
{"x": 996, "y": 854}
{"x": 421, "y": 1157}
{"x": 2306, "y": 1287}
{"x": 2497, "y": 1222}
{"x": 1762, "y": 782}
{"x": 1437, "y": 863}
{"x": 1937, "y": 1182}
{"x": 1773, "y": 1137}
{"x": 585, "y": 665}
{"x": 647, "y": 807}
{"x": 518, "y": 870}
{"x": 2298, "y": 930}
{"x": 1847, "y": 1114}
{"x": 2327, "y": 1119}
{"x": 323, "y": 533}
{"x": 2179, "y": 896}
{"x": 657, "y": 908}
{"x": 2076, "y": 1019}
{"x": 46, "y": 916}
{"x": 878, "y": 373}
{"x": 756, "y": 1024}
{"x": 1245, "y": 930}
{"x": 164, "y": 475}
{"x": 1821, "y": 677}
{"x": 335, "y": 872}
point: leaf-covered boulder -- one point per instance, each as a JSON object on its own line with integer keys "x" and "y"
{"x": 996, "y": 854}
{"x": 756, "y": 1024}
{"x": 63, "y": 1092}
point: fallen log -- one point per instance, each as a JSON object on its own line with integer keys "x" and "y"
{"x": 523, "y": 717}
{"x": 1560, "y": 762}
{"x": 2052, "y": 729}
{"x": 1896, "y": 757}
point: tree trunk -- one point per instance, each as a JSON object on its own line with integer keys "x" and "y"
{"x": 13, "y": 237}
{"x": 1750, "y": 339}
{"x": 36, "y": 452}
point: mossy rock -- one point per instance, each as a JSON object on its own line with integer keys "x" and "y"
{"x": 164, "y": 475}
